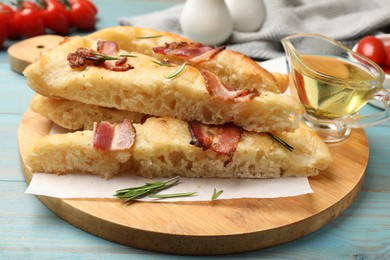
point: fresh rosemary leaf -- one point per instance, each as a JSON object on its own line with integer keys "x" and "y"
{"x": 177, "y": 72}
{"x": 104, "y": 57}
{"x": 128, "y": 55}
{"x": 286, "y": 145}
{"x": 173, "y": 195}
{"x": 151, "y": 189}
{"x": 161, "y": 63}
{"x": 149, "y": 37}
{"x": 107, "y": 57}
{"x": 216, "y": 194}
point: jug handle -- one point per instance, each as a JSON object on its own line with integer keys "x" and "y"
{"x": 359, "y": 121}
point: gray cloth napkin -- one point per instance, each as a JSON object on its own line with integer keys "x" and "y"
{"x": 343, "y": 20}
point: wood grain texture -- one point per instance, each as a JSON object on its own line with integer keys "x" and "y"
{"x": 23, "y": 53}
{"x": 219, "y": 227}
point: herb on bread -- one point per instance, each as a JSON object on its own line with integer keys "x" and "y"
{"x": 277, "y": 139}
{"x": 148, "y": 37}
{"x": 178, "y": 71}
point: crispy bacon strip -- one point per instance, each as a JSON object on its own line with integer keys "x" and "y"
{"x": 114, "y": 136}
{"x": 83, "y": 57}
{"x": 221, "y": 139}
{"x": 191, "y": 51}
{"x": 108, "y": 48}
{"x": 215, "y": 87}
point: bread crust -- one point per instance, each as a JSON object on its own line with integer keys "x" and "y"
{"x": 162, "y": 149}
{"x": 146, "y": 90}
{"x": 74, "y": 115}
{"x": 234, "y": 68}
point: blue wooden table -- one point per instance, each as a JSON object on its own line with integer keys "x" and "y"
{"x": 28, "y": 230}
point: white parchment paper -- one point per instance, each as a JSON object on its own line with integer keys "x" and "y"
{"x": 89, "y": 186}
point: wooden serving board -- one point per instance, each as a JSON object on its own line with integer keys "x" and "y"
{"x": 22, "y": 53}
{"x": 214, "y": 227}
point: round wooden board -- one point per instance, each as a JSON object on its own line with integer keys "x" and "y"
{"x": 22, "y": 53}
{"x": 215, "y": 227}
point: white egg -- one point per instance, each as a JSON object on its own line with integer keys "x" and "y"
{"x": 206, "y": 21}
{"x": 247, "y": 15}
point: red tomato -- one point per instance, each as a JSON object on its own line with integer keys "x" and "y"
{"x": 29, "y": 22}
{"x": 373, "y": 48}
{"x": 83, "y": 15}
{"x": 386, "y": 61}
{"x": 27, "y": 4}
{"x": 8, "y": 13}
{"x": 3, "y": 30}
{"x": 87, "y": 3}
{"x": 54, "y": 16}
{"x": 386, "y": 70}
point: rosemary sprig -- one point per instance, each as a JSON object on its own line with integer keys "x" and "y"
{"x": 151, "y": 189}
{"x": 107, "y": 57}
{"x": 216, "y": 194}
{"x": 128, "y": 55}
{"x": 162, "y": 63}
{"x": 277, "y": 139}
{"x": 178, "y": 71}
{"x": 173, "y": 195}
{"x": 149, "y": 37}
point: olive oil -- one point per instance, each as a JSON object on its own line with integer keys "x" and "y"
{"x": 343, "y": 94}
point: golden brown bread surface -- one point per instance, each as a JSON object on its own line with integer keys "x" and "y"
{"x": 75, "y": 115}
{"x": 74, "y": 153}
{"x": 235, "y": 69}
{"x": 146, "y": 90}
{"x": 162, "y": 149}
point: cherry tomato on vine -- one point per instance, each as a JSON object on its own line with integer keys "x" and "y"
{"x": 26, "y": 4}
{"x": 373, "y": 48}
{"x": 87, "y": 3}
{"x": 29, "y": 21}
{"x": 3, "y": 30}
{"x": 83, "y": 15}
{"x": 8, "y": 13}
{"x": 386, "y": 61}
{"x": 54, "y": 16}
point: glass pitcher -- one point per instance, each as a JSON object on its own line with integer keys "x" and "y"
{"x": 333, "y": 83}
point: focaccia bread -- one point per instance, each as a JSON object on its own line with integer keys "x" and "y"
{"x": 234, "y": 68}
{"x": 169, "y": 153}
{"x": 147, "y": 89}
{"x": 74, "y": 115}
{"x": 73, "y": 153}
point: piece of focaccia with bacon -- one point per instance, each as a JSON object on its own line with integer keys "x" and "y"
{"x": 234, "y": 68}
{"x": 74, "y": 115}
{"x": 98, "y": 73}
{"x": 181, "y": 148}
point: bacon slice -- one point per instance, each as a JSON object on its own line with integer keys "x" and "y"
{"x": 114, "y": 136}
{"x": 103, "y": 135}
{"x": 108, "y": 48}
{"x": 215, "y": 87}
{"x": 83, "y": 57}
{"x": 191, "y": 51}
{"x": 221, "y": 139}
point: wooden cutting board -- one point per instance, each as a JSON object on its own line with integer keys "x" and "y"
{"x": 214, "y": 227}
{"x": 22, "y": 53}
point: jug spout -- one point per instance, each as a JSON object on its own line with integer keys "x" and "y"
{"x": 291, "y": 53}
{"x": 288, "y": 46}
